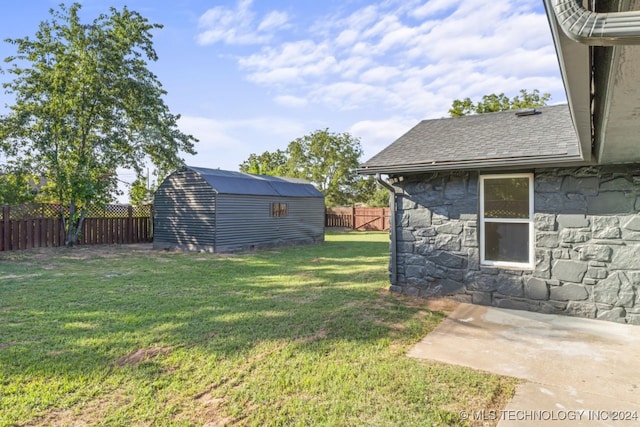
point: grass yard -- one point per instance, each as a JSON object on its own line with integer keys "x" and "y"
{"x": 123, "y": 335}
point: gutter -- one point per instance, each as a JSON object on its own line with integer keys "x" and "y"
{"x": 537, "y": 162}
{"x": 595, "y": 29}
{"x": 392, "y": 226}
{"x": 612, "y": 29}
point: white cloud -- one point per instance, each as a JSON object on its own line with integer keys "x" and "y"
{"x": 273, "y": 20}
{"x": 290, "y": 63}
{"x": 398, "y": 38}
{"x": 349, "y": 95}
{"x": 210, "y": 132}
{"x": 238, "y": 26}
{"x": 518, "y": 62}
{"x": 287, "y": 75}
{"x": 298, "y": 53}
{"x": 352, "y": 67}
{"x": 362, "y": 19}
{"x": 346, "y": 38}
{"x": 278, "y": 126}
{"x": 384, "y": 25}
{"x": 219, "y": 130}
{"x": 291, "y": 101}
{"x": 236, "y": 138}
{"x": 408, "y": 57}
{"x": 432, "y": 7}
{"x": 368, "y": 54}
{"x": 380, "y": 74}
{"x": 376, "y": 134}
{"x": 214, "y": 137}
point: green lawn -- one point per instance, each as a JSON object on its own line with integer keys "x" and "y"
{"x": 122, "y": 335}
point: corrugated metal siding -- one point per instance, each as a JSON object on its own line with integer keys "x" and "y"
{"x": 244, "y": 222}
{"x": 184, "y": 213}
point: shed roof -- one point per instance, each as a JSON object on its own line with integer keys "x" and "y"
{"x": 482, "y": 140}
{"x": 230, "y": 182}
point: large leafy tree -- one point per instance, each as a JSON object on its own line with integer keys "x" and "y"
{"x": 498, "y": 102}
{"x": 85, "y": 104}
{"x": 326, "y": 159}
{"x": 370, "y": 193}
{"x": 329, "y": 161}
{"x": 267, "y": 163}
{"x": 141, "y": 192}
{"x": 17, "y": 186}
{"x": 142, "y": 189}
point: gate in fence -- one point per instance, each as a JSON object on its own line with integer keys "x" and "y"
{"x": 358, "y": 218}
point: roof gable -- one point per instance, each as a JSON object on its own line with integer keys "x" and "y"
{"x": 490, "y": 139}
{"x": 230, "y": 182}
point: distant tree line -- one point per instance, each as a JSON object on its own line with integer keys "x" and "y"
{"x": 493, "y": 103}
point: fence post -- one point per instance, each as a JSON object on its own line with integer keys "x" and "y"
{"x": 129, "y": 235}
{"x": 353, "y": 217}
{"x": 6, "y": 228}
{"x": 150, "y": 229}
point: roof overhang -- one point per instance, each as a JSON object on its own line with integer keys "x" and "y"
{"x": 574, "y": 61}
{"x": 599, "y": 60}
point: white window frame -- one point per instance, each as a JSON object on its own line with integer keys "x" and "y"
{"x": 525, "y": 265}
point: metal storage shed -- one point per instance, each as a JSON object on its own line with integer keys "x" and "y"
{"x": 222, "y": 211}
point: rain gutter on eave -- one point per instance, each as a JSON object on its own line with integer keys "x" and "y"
{"x": 471, "y": 164}
{"x": 595, "y": 29}
{"x": 592, "y": 29}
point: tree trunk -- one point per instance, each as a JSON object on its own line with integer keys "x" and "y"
{"x": 73, "y": 226}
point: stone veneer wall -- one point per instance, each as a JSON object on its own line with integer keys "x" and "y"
{"x": 587, "y": 245}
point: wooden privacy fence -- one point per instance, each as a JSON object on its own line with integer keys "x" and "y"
{"x": 358, "y": 218}
{"x": 39, "y": 225}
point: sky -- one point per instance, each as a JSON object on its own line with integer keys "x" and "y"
{"x": 249, "y": 76}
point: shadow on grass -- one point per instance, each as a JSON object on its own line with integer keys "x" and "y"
{"x": 75, "y": 317}
{"x": 291, "y": 336}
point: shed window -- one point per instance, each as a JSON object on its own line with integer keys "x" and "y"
{"x": 506, "y": 220}
{"x": 278, "y": 209}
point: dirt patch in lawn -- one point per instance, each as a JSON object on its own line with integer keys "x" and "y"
{"x": 78, "y": 252}
{"x": 90, "y": 413}
{"x": 141, "y": 355}
{"x": 321, "y": 334}
{"x": 443, "y": 305}
{"x": 4, "y": 345}
{"x": 211, "y": 407}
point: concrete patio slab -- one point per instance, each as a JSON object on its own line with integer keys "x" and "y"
{"x": 571, "y": 364}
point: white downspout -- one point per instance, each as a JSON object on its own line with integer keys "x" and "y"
{"x": 392, "y": 227}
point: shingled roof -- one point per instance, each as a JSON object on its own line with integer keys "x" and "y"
{"x": 542, "y": 137}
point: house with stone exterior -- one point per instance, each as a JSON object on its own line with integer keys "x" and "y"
{"x": 535, "y": 210}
